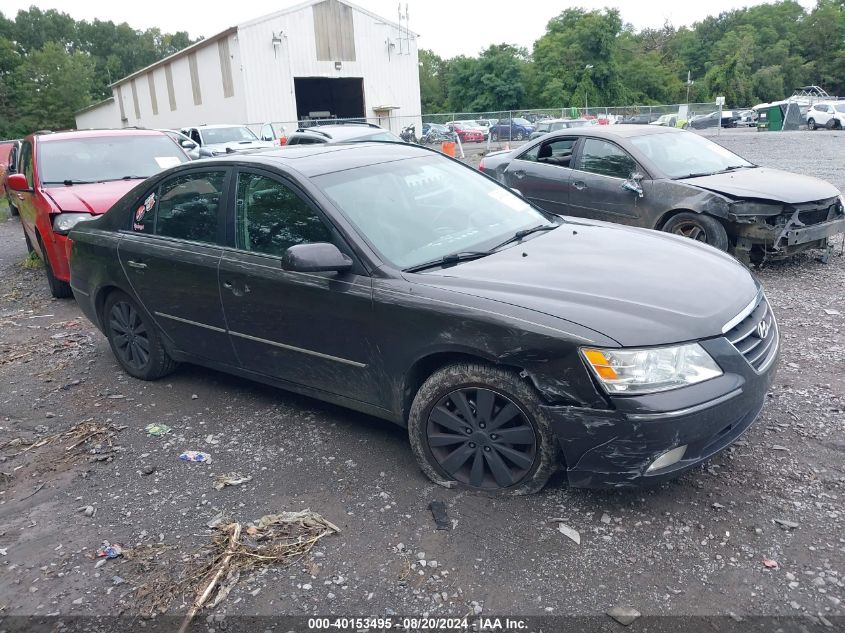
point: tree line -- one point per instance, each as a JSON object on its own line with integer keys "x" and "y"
{"x": 751, "y": 55}
{"x": 52, "y": 65}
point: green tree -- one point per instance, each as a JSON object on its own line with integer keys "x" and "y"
{"x": 50, "y": 85}
{"x": 433, "y": 70}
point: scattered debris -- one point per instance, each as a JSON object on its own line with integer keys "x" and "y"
{"x": 4, "y": 551}
{"x": 77, "y": 434}
{"x": 605, "y": 518}
{"x": 789, "y": 525}
{"x": 624, "y": 615}
{"x": 778, "y": 447}
{"x": 232, "y": 479}
{"x": 441, "y": 519}
{"x": 831, "y": 312}
{"x": 718, "y": 506}
{"x": 770, "y": 564}
{"x": 569, "y": 533}
{"x": 195, "y": 456}
{"x": 110, "y": 550}
{"x": 157, "y": 430}
{"x": 87, "y": 510}
{"x": 149, "y": 469}
{"x": 211, "y": 574}
{"x": 34, "y": 492}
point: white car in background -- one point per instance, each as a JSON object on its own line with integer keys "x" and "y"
{"x": 826, "y": 114}
{"x": 215, "y": 140}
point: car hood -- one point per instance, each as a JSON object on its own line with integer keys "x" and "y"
{"x": 96, "y": 198}
{"x": 766, "y": 184}
{"x": 636, "y": 286}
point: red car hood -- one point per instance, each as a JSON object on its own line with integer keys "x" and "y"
{"x": 95, "y": 198}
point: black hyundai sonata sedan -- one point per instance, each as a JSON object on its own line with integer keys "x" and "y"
{"x": 393, "y": 280}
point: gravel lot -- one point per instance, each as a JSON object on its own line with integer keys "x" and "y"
{"x": 693, "y": 547}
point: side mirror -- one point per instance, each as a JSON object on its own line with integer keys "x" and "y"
{"x": 17, "y": 182}
{"x": 188, "y": 144}
{"x": 315, "y": 258}
{"x": 634, "y": 184}
{"x": 205, "y": 152}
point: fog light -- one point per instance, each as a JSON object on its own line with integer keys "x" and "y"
{"x": 668, "y": 458}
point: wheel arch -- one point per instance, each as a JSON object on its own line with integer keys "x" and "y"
{"x": 668, "y": 215}
{"x": 425, "y": 366}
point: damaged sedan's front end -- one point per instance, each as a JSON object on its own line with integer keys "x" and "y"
{"x": 770, "y": 230}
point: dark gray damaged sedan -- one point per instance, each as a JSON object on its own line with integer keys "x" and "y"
{"x": 393, "y": 280}
{"x": 675, "y": 181}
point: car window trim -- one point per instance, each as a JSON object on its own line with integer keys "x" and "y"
{"x": 339, "y": 240}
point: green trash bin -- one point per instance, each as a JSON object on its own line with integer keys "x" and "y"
{"x": 774, "y": 115}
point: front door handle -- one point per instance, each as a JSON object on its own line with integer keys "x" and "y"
{"x": 20, "y": 196}
{"x": 519, "y": 173}
{"x": 580, "y": 185}
{"x": 238, "y": 292}
{"x": 134, "y": 264}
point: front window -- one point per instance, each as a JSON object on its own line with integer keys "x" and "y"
{"x": 427, "y": 208}
{"x": 839, "y": 107}
{"x": 519, "y": 121}
{"x": 215, "y": 135}
{"x": 607, "y": 159}
{"x": 684, "y": 154}
{"x": 104, "y": 158}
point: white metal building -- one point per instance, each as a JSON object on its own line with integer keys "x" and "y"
{"x": 318, "y": 59}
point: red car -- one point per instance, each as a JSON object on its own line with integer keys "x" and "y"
{"x": 467, "y": 134}
{"x": 68, "y": 177}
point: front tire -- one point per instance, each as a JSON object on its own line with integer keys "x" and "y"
{"x": 520, "y": 136}
{"x": 134, "y": 339}
{"x": 811, "y": 124}
{"x": 699, "y": 227}
{"x": 482, "y": 428}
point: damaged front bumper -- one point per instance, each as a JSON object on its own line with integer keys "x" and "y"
{"x": 615, "y": 448}
{"x": 796, "y": 229}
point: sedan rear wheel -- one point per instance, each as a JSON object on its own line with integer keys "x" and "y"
{"x": 482, "y": 428}
{"x": 134, "y": 339}
{"x": 699, "y": 227}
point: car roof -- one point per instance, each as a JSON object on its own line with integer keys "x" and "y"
{"x": 214, "y": 126}
{"x": 76, "y": 134}
{"x": 618, "y": 131}
{"x": 341, "y": 132}
{"x": 325, "y": 158}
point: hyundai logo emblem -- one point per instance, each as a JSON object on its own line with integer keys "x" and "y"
{"x": 763, "y": 329}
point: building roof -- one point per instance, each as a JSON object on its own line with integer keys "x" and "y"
{"x": 94, "y": 105}
{"x": 234, "y": 29}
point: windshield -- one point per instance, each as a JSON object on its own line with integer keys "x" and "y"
{"x": 683, "y": 154}
{"x": 427, "y": 208}
{"x": 98, "y": 159}
{"x": 839, "y": 107}
{"x": 214, "y": 135}
{"x": 519, "y": 121}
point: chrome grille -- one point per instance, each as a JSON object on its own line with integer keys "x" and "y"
{"x": 756, "y": 336}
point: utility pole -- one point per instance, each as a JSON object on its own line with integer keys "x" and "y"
{"x": 690, "y": 82}
{"x": 587, "y": 70}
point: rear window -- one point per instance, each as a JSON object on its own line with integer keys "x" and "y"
{"x": 100, "y": 159}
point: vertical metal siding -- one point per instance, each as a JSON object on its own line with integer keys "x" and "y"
{"x": 135, "y": 99}
{"x": 334, "y": 31}
{"x": 120, "y": 103}
{"x": 195, "y": 78}
{"x": 171, "y": 92}
{"x": 152, "y": 86}
{"x": 226, "y": 68}
{"x": 268, "y": 70}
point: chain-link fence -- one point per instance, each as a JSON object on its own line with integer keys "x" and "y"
{"x": 489, "y": 131}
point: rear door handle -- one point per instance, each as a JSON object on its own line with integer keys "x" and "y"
{"x": 134, "y": 264}
{"x": 580, "y": 185}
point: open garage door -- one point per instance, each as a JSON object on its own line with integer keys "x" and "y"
{"x": 322, "y": 98}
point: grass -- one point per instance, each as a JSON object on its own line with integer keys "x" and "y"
{"x": 5, "y": 213}
{"x": 31, "y": 261}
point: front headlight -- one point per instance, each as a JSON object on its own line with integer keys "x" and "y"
{"x": 638, "y": 371}
{"x": 841, "y": 203}
{"x": 64, "y": 222}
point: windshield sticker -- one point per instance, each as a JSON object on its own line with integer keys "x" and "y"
{"x": 142, "y": 211}
{"x": 167, "y": 161}
{"x": 509, "y": 199}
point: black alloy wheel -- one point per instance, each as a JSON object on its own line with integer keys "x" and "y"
{"x": 480, "y": 438}
{"x": 811, "y": 124}
{"x": 130, "y": 335}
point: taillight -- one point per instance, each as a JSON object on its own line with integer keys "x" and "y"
{"x": 481, "y": 165}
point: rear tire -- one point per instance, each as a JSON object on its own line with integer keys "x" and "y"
{"x": 510, "y": 448}
{"x": 13, "y": 210}
{"x": 811, "y": 124}
{"x": 58, "y": 288}
{"x": 134, "y": 339}
{"x": 699, "y": 227}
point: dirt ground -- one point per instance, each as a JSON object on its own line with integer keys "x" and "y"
{"x": 698, "y": 546}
